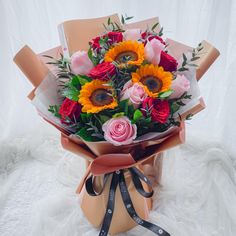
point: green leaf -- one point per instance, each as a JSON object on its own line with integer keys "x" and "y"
{"x": 195, "y": 58}
{"x": 165, "y": 94}
{"x": 104, "y": 118}
{"x": 187, "y": 96}
{"x": 174, "y": 107}
{"x": 83, "y": 79}
{"x": 75, "y": 81}
{"x": 85, "y": 117}
{"x": 189, "y": 116}
{"x": 117, "y": 115}
{"x": 161, "y": 32}
{"x": 71, "y": 93}
{"x": 184, "y": 57}
{"x": 154, "y": 26}
{"x": 137, "y": 115}
{"x": 129, "y": 17}
{"x": 91, "y": 57}
{"x": 124, "y": 106}
{"x": 85, "y": 134}
{"x": 54, "y": 109}
{"x": 194, "y": 65}
{"x": 109, "y": 21}
{"x": 180, "y": 103}
{"x": 122, "y": 20}
{"x": 182, "y": 69}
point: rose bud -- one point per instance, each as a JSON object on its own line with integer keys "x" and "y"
{"x": 153, "y": 50}
{"x": 119, "y": 131}
{"x": 80, "y": 63}
{"x": 180, "y": 85}
{"x": 69, "y": 109}
{"x": 103, "y": 71}
{"x": 159, "y": 109}
{"x": 149, "y": 37}
{"x": 134, "y": 92}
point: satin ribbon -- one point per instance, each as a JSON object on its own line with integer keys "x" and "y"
{"x": 118, "y": 178}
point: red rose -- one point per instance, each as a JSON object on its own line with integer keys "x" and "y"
{"x": 103, "y": 71}
{"x": 148, "y": 36}
{"x": 159, "y": 109}
{"x": 168, "y": 62}
{"x": 113, "y": 37}
{"x": 69, "y": 109}
{"x": 95, "y": 43}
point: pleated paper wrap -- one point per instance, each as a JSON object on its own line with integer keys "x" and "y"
{"x": 74, "y": 36}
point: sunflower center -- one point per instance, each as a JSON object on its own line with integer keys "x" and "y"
{"x": 101, "y": 97}
{"x": 126, "y": 56}
{"x": 153, "y": 83}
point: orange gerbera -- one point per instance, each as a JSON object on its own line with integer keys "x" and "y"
{"x": 96, "y": 96}
{"x": 153, "y": 78}
{"x": 127, "y": 52}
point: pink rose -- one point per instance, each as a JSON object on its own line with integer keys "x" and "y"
{"x": 132, "y": 34}
{"x": 180, "y": 85}
{"x": 119, "y": 131}
{"x": 80, "y": 63}
{"x": 153, "y": 51}
{"x": 134, "y": 92}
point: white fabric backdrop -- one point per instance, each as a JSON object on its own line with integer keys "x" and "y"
{"x": 37, "y": 177}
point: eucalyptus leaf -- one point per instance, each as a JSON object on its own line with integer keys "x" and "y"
{"x": 154, "y": 26}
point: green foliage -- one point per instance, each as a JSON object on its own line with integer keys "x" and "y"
{"x": 71, "y": 92}
{"x": 95, "y": 59}
{"x": 112, "y": 26}
{"x": 72, "y": 88}
{"x": 154, "y": 26}
{"x": 189, "y": 117}
{"x": 92, "y": 127}
{"x": 64, "y": 71}
{"x": 125, "y": 18}
{"x": 165, "y": 94}
{"x": 160, "y": 32}
{"x": 137, "y": 115}
{"x": 54, "y": 109}
{"x": 103, "y": 118}
{"x": 117, "y": 115}
{"x": 83, "y": 79}
{"x": 189, "y": 62}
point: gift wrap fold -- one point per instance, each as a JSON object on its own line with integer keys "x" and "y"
{"x": 115, "y": 194}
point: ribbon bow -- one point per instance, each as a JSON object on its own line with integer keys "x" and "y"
{"x": 119, "y": 179}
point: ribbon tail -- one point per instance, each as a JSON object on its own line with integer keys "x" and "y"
{"x": 130, "y": 209}
{"x": 110, "y": 205}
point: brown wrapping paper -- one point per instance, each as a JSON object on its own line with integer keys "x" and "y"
{"x": 121, "y": 221}
{"x": 34, "y": 68}
{"x": 79, "y": 32}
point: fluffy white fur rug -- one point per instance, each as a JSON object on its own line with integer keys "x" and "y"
{"x": 38, "y": 181}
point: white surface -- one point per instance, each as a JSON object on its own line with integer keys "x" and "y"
{"x": 38, "y": 180}
{"x": 198, "y": 196}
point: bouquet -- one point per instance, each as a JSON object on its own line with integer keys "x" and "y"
{"x": 119, "y": 96}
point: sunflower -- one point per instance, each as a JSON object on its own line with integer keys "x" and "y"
{"x": 127, "y": 52}
{"x": 153, "y": 78}
{"x": 96, "y": 96}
